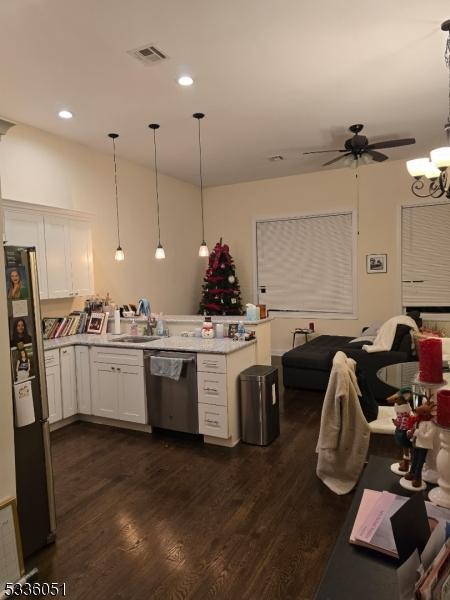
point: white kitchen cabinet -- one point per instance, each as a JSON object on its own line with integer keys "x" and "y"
{"x": 81, "y": 258}
{"x": 83, "y": 379}
{"x": 24, "y": 228}
{"x": 213, "y": 420}
{"x": 105, "y": 390}
{"x": 68, "y": 382}
{"x": 132, "y": 400}
{"x": 63, "y": 245}
{"x": 118, "y": 391}
{"x": 57, "y": 242}
{"x": 53, "y": 378}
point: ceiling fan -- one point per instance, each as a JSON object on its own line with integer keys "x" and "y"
{"x": 358, "y": 146}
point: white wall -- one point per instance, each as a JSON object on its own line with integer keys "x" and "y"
{"x": 230, "y": 211}
{"x": 45, "y": 169}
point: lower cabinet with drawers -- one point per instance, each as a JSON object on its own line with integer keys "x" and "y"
{"x": 218, "y": 394}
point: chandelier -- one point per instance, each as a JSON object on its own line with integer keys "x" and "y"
{"x": 431, "y": 177}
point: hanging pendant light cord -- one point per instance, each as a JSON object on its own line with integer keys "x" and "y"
{"x": 201, "y": 182}
{"x": 117, "y": 195}
{"x": 157, "y": 189}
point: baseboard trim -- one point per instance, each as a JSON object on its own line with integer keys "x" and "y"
{"x": 279, "y": 351}
{"x": 100, "y": 421}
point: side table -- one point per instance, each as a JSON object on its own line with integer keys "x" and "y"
{"x": 301, "y": 331}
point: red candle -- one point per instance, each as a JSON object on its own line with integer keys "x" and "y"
{"x": 430, "y": 360}
{"x": 443, "y": 408}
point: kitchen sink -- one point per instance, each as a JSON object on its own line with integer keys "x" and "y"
{"x": 137, "y": 339}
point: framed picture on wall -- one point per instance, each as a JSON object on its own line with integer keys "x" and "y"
{"x": 376, "y": 263}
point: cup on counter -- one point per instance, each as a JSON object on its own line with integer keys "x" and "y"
{"x": 198, "y": 332}
{"x": 219, "y": 330}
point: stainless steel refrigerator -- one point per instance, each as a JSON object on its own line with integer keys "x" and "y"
{"x": 35, "y": 498}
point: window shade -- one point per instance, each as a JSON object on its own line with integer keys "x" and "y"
{"x": 306, "y": 263}
{"x": 426, "y": 255}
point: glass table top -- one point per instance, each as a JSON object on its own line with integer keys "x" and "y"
{"x": 403, "y": 374}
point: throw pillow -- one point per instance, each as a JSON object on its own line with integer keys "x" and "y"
{"x": 400, "y": 333}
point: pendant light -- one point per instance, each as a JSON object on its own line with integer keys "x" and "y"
{"x": 159, "y": 254}
{"x": 119, "y": 255}
{"x": 203, "y": 250}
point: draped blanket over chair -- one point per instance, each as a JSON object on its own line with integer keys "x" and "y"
{"x": 344, "y": 432}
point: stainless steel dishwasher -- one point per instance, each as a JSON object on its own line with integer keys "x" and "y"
{"x": 173, "y": 404}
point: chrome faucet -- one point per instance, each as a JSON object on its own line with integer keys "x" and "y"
{"x": 151, "y": 324}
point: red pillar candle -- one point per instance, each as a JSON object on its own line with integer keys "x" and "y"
{"x": 430, "y": 360}
{"x": 443, "y": 408}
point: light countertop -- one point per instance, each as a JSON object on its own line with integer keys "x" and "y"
{"x": 200, "y": 318}
{"x": 176, "y": 342}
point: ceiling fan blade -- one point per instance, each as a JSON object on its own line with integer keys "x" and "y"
{"x": 320, "y": 151}
{"x": 330, "y": 162}
{"x": 391, "y": 143}
{"x": 377, "y": 156}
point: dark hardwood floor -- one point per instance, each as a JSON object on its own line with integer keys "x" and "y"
{"x": 165, "y": 516}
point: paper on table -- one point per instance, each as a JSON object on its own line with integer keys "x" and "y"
{"x": 23, "y": 404}
{"x": 370, "y": 526}
{"x": 368, "y": 501}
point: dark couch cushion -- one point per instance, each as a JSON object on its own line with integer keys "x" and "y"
{"x": 400, "y": 333}
{"x": 316, "y": 354}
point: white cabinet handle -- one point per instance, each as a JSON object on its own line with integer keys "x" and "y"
{"x": 212, "y": 422}
{"x": 208, "y": 389}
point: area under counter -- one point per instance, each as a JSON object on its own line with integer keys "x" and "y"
{"x": 109, "y": 382}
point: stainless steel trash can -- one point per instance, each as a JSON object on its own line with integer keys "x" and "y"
{"x": 260, "y": 418}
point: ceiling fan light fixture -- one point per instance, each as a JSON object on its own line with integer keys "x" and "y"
{"x": 441, "y": 157}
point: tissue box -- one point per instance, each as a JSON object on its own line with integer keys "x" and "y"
{"x": 252, "y": 313}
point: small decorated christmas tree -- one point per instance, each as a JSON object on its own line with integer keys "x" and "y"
{"x": 221, "y": 293}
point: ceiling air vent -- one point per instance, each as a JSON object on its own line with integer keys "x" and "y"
{"x": 148, "y": 54}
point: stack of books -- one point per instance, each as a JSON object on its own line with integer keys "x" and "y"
{"x": 56, "y": 327}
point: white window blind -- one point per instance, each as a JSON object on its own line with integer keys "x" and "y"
{"x": 426, "y": 255}
{"x": 305, "y": 264}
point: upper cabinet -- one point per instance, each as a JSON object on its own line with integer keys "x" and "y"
{"x": 63, "y": 242}
{"x": 23, "y": 228}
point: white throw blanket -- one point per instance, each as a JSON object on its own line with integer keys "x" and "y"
{"x": 386, "y": 334}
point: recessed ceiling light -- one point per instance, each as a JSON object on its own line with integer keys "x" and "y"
{"x": 65, "y": 114}
{"x": 185, "y": 80}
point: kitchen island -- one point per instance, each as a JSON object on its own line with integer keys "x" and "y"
{"x": 101, "y": 379}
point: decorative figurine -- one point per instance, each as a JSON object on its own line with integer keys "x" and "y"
{"x": 402, "y": 407}
{"x": 421, "y": 432}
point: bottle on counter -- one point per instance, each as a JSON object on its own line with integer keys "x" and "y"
{"x": 241, "y": 330}
{"x": 160, "y": 325}
{"x": 133, "y": 327}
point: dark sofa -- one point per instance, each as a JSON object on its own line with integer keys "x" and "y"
{"x": 308, "y": 366}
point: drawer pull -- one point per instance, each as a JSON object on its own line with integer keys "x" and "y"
{"x": 113, "y": 368}
{"x": 215, "y": 423}
{"x": 208, "y": 389}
